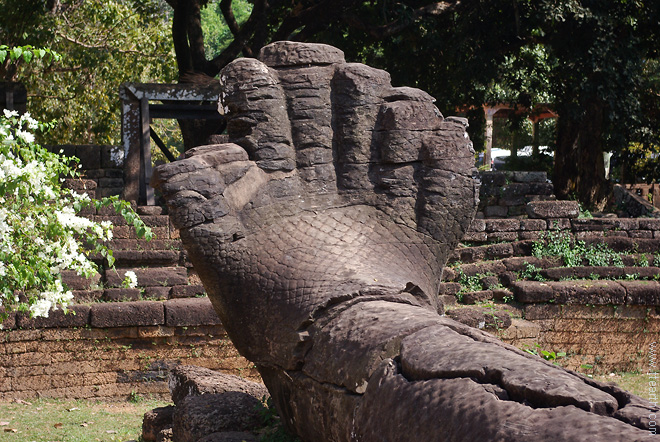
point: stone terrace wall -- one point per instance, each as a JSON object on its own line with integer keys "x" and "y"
{"x": 113, "y": 350}
{"x": 101, "y": 164}
{"x": 613, "y": 329}
{"x": 506, "y": 194}
{"x": 558, "y": 215}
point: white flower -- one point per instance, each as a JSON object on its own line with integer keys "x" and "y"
{"x": 3, "y": 270}
{"x": 10, "y": 113}
{"x": 130, "y": 280}
{"x": 41, "y": 307}
{"x": 31, "y": 122}
{"x": 68, "y": 218}
{"x": 25, "y": 136}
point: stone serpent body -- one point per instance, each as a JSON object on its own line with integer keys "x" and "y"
{"x": 320, "y": 233}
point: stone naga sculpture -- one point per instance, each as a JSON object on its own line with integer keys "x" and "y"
{"x": 320, "y": 234}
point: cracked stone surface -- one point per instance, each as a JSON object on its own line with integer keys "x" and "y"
{"x": 320, "y": 233}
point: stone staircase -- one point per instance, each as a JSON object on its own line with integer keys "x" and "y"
{"x": 161, "y": 265}
{"x": 597, "y": 316}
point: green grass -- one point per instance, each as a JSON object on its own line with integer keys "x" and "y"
{"x": 45, "y": 420}
{"x": 59, "y": 420}
{"x": 636, "y": 383}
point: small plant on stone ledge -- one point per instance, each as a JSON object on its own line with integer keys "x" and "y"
{"x": 531, "y": 272}
{"x": 272, "y": 430}
{"x": 468, "y": 284}
{"x": 602, "y": 255}
{"x": 560, "y": 245}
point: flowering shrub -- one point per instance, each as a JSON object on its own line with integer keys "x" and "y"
{"x": 130, "y": 280}
{"x": 40, "y": 231}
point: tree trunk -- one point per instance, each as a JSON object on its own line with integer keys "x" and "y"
{"x": 579, "y": 170}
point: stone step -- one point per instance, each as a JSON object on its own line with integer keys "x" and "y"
{"x": 642, "y": 264}
{"x": 148, "y": 277}
{"x": 141, "y": 244}
{"x": 588, "y": 292}
{"x": 129, "y": 258}
{"x": 600, "y": 272}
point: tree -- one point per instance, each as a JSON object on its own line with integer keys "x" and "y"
{"x": 103, "y": 43}
{"x": 268, "y": 21}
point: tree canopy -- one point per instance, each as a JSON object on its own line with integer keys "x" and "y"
{"x": 595, "y": 61}
{"x": 103, "y": 43}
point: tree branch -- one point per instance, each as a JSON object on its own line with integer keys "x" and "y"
{"x": 236, "y": 46}
{"x": 180, "y": 37}
{"x": 196, "y": 36}
{"x": 313, "y": 17}
{"x": 230, "y": 19}
{"x": 104, "y": 45}
{"x": 384, "y": 31}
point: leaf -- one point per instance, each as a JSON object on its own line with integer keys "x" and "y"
{"x": 3, "y": 55}
{"x": 15, "y": 53}
{"x": 4, "y": 424}
{"x": 27, "y": 56}
{"x": 41, "y": 53}
{"x": 58, "y": 425}
{"x": 11, "y": 430}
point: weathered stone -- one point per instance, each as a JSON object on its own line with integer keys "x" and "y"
{"x": 553, "y": 209}
{"x": 642, "y": 292}
{"x": 229, "y": 436}
{"x": 155, "y": 421}
{"x": 498, "y": 251}
{"x": 284, "y": 53}
{"x": 122, "y": 294}
{"x": 188, "y": 380}
{"x": 496, "y": 211}
{"x": 326, "y": 273}
{"x": 146, "y": 257}
{"x": 476, "y": 297}
{"x": 471, "y": 254}
{"x": 154, "y": 276}
{"x": 76, "y": 316}
{"x": 76, "y": 282}
{"x": 157, "y": 293}
{"x": 533, "y": 224}
{"x": 530, "y": 177}
{"x": 449, "y": 288}
{"x": 190, "y": 312}
{"x": 481, "y": 318}
{"x": 9, "y": 322}
{"x": 187, "y": 291}
{"x": 123, "y": 314}
{"x": 532, "y": 292}
{"x": 196, "y": 417}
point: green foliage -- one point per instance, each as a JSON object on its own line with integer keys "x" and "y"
{"x": 40, "y": 233}
{"x": 273, "y": 430}
{"x": 559, "y": 244}
{"x": 545, "y": 354}
{"x": 26, "y": 54}
{"x": 217, "y": 35}
{"x": 600, "y": 254}
{"x": 103, "y": 44}
{"x": 531, "y": 272}
{"x": 473, "y": 283}
{"x": 573, "y": 253}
